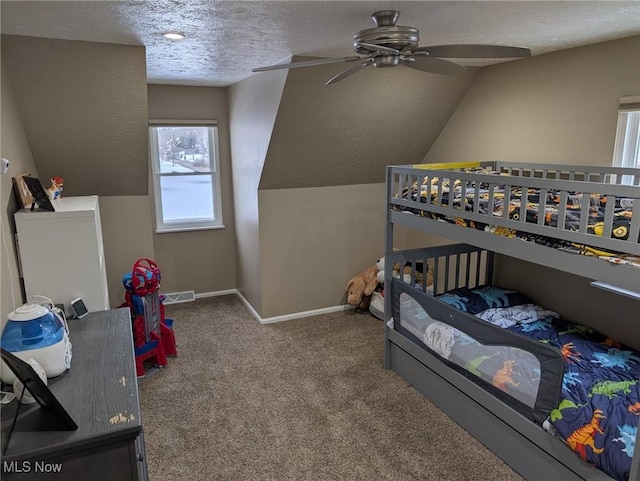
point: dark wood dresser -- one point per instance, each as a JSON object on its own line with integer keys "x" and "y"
{"x": 100, "y": 393}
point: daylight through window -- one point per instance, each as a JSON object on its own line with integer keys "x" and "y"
{"x": 627, "y": 147}
{"x": 184, "y": 158}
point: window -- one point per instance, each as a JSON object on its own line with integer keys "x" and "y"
{"x": 627, "y": 147}
{"x": 184, "y": 159}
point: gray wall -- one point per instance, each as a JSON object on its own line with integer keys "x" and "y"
{"x": 313, "y": 240}
{"x": 555, "y": 108}
{"x": 15, "y": 147}
{"x": 203, "y": 261}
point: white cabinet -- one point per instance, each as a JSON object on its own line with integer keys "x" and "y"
{"x": 61, "y": 252}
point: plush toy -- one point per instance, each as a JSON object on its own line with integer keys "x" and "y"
{"x": 361, "y": 286}
{"x": 54, "y": 191}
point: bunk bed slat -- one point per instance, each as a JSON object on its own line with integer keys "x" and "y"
{"x": 634, "y": 228}
{"x": 542, "y": 206}
{"x": 562, "y": 209}
{"x": 447, "y": 286}
{"x": 506, "y": 202}
{"x": 608, "y": 216}
{"x": 585, "y": 204}
{"x": 524, "y": 200}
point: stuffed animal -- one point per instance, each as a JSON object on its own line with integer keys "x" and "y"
{"x": 54, "y": 191}
{"x": 361, "y": 286}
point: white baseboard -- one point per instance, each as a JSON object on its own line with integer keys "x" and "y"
{"x": 284, "y": 317}
{"x": 295, "y": 315}
{"x": 216, "y": 293}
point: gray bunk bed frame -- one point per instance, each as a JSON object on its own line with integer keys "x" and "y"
{"x": 518, "y": 441}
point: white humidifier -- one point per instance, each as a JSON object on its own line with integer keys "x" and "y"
{"x": 35, "y": 332}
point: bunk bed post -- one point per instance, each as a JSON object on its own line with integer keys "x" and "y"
{"x": 489, "y": 267}
{"x": 388, "y": 267}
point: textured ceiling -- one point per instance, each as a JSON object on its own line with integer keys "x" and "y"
{"x": 226, "y": 39}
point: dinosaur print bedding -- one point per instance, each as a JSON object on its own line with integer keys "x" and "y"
{"x": 600, "y": 401}
{"x": 595, "y": 412}
{"x": 494, "y": 203}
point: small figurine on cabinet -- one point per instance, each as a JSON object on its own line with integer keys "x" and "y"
{"x": 54, "y": 191}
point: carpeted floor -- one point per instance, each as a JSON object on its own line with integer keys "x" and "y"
{"x": 300, "y": 400}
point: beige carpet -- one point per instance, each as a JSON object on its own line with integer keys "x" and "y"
{"x": 306, "y": 399}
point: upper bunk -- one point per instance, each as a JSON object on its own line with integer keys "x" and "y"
{"x": 590, "y": 222}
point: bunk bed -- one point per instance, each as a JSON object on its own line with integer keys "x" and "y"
{"x": 582, "y": 220}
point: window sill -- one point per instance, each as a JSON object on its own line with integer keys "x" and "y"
{"x": 171, "y": 230}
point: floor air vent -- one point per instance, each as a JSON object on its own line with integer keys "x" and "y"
{"x": 176, "y": 297}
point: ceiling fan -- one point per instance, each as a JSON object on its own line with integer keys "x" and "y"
{"x": 388, "y": 45}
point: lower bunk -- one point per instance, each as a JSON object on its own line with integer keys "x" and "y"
{"x": 507, "y": 412}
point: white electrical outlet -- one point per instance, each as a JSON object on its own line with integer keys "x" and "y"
{"x": 5, "y": 165}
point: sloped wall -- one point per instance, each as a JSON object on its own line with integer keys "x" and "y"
{"x": 346, "y": 133}
{"x": 84, "y": 110}
{"x": 556, "y": 108}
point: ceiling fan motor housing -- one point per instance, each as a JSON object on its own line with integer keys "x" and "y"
{"x": 386, "y": 34}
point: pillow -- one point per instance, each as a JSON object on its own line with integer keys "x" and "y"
{"x": 480, "y": 299}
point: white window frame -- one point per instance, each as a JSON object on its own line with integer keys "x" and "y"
{"x": 626, "y": 152}
{"x": 186, "y": 224}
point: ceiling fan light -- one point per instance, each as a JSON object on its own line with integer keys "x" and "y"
{"x": 173, "y": 36}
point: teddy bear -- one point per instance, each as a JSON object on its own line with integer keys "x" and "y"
{"x": 361, "y": 286}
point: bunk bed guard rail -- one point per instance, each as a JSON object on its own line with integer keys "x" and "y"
{"x": 456, "y": 193}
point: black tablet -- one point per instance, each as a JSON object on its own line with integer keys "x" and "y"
{"x": 38, "y": 389}
{"x": 39, "y": 195}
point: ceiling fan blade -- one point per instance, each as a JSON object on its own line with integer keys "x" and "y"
{"x": 379, "y": 48}
{"x": 475, "y": 51}
{"x": 349, "y": 72}
{"x": 433, "y": 65}
{"x": 308, "y": 63}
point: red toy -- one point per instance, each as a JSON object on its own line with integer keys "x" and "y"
{"x": 152, "y": 334}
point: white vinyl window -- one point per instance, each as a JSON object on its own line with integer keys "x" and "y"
{"x": 627, "y": 147}
{"x": 184, "y": 159}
